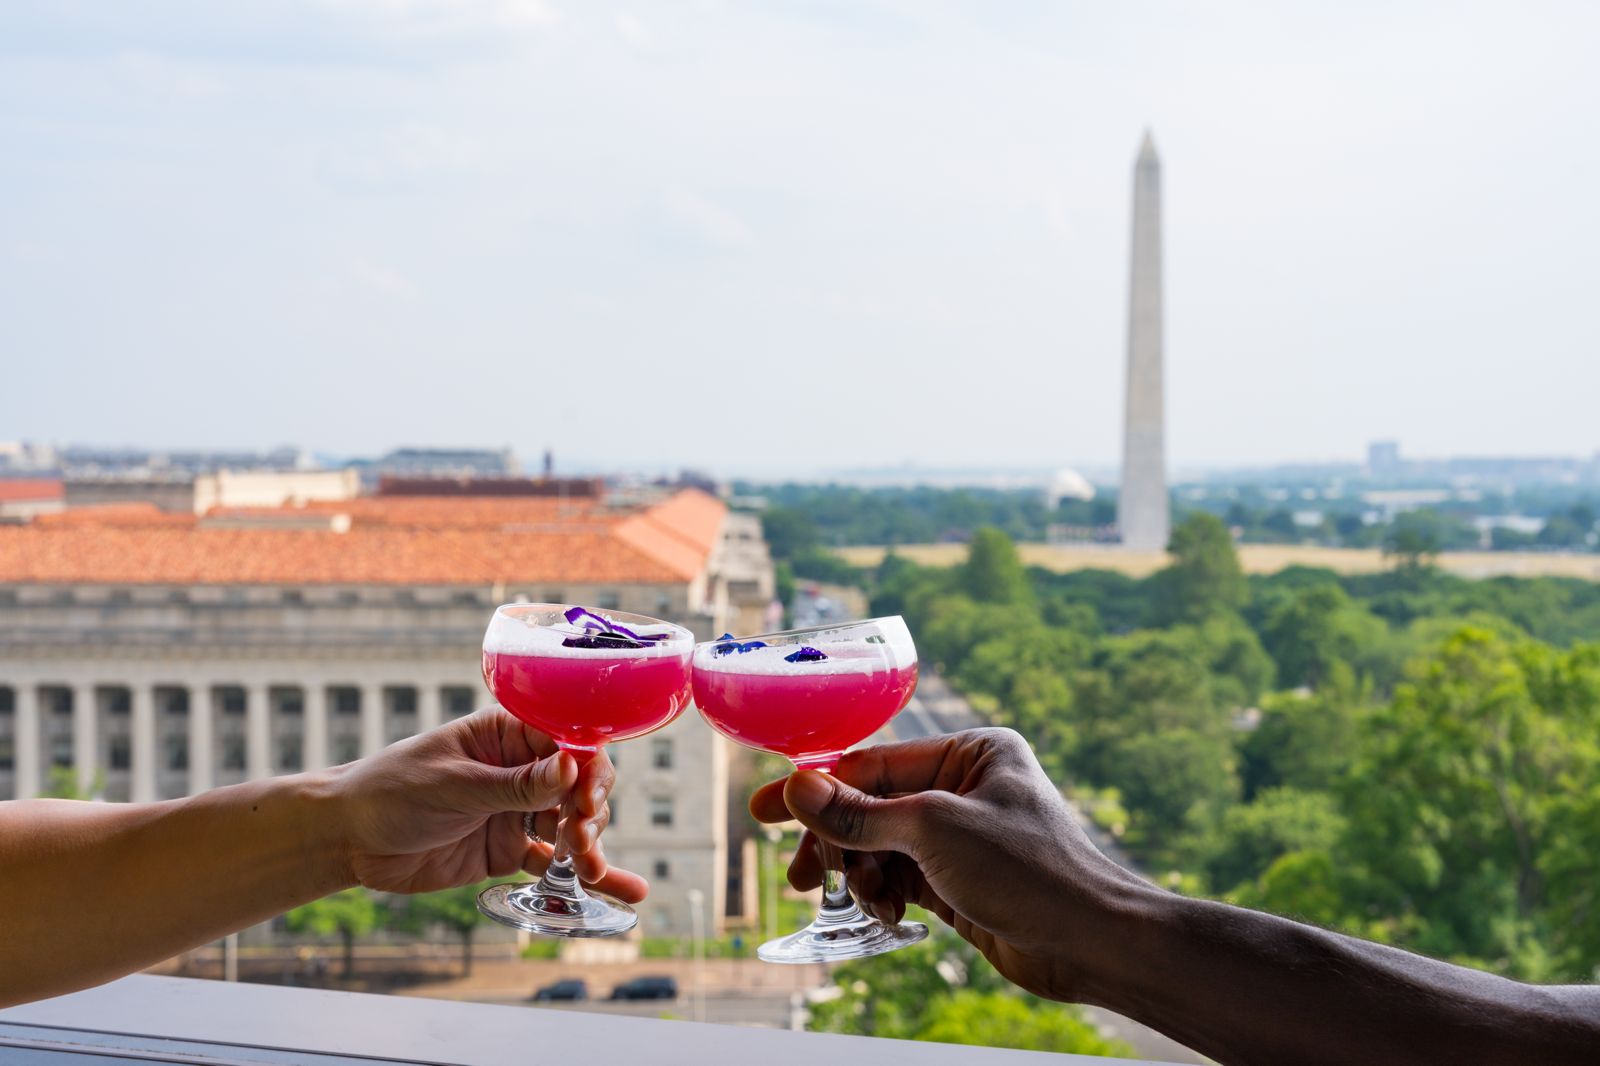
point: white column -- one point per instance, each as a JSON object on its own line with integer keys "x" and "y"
{"x": 27, "y": 741}
{"x": 257, "y": 733}
{"x": 371, "y": 720}
{"x": 430, "y": 708}
{"x": 202, "y": 748}
{"x": 85, "y": 734}
{"x": 142, "y": 787}
{"x": 315, "y": 752}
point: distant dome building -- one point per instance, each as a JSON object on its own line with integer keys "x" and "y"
{"x": 1067, "y": 485}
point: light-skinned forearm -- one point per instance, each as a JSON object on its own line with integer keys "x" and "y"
{"x": 92, "y": 891}
{"x": 1249, "y": 988}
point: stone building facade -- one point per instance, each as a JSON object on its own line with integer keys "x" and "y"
{"x": 142, "y": 658}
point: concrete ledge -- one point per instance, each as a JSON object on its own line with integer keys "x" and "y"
{"x": 145, "y": 1011}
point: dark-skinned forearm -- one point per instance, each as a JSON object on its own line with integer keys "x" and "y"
{"x": 1248, "y": 988}
{"x": 93, "y": 891}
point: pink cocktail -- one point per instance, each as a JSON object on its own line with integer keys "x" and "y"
{"x": 584, "y": 678}
{"x": 585, "y": 700}
{"x": 809, "y": 694}
{"x": 808, "y": 715}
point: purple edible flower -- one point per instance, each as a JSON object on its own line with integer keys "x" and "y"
{"x": 604, "y": 627}
{"x": 805, "y": 655}
{"x": 727, "y": 645}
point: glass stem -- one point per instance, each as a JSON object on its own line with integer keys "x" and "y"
{"x": 559, "y": 878}
{"x": 837, "y": 903}
{"x": 836, "y": 896}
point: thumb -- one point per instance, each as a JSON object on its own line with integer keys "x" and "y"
{"x": 849, "y": 817}
{"x": 534, "y": 786}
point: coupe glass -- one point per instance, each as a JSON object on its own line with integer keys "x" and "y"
{"x": 585, "y": 678}
{"x": 808, "y": 694}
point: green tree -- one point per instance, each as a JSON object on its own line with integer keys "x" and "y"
{"x": 1164, "y": 777}
{"x": 1026, "y": 674}
{"x": 1453, "y": 800}
{"x": 789, "y": 531}
{"x": 1303, "y": 741}
{"x": 1204, "y": 579}
{"x": 1318, "y": 626}
{"x": 890, "y": 995}
{"x": 63, "y": 784}
{"x": 998, "y": 1019}
{"x": 348, "y": 914}
{"x": 1250, "y": 837}
{"x": 454, "y": 908}
{"x": 993, "y": 573}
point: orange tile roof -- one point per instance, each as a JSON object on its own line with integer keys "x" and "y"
{"x": 116, "y": 514}
{"x": 413, "y": 545}
{"x": 30, "y": 489}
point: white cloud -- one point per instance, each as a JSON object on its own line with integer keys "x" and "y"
{"x": 441, "y": 18}
{"x": 634, "y": 31}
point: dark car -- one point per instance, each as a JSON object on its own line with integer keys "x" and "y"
{"x": 568, "y": 990}
{"x": 646, "y": 988}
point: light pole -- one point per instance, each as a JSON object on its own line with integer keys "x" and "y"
{"x": 698, "y": 925}
{"x": 770, "y": 876}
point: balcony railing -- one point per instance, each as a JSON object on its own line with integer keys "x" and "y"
{"x": 146, "y": 1019}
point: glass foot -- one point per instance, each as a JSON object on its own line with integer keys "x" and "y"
{"x": 584, "y": 914}
{"x": 851, "y": 936}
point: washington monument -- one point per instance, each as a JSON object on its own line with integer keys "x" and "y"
{"x": 1142, "y": 511}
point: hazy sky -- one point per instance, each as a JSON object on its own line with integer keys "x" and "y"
{"x": 779, "y": 236}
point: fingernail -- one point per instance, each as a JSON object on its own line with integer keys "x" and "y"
{"x": 550, "y": 772}
{"x": 809, "y": 792}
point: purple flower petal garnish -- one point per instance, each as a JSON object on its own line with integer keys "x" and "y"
{"x": 604, "y": 627}
{"x": 728, "y": 645}
{"x": 805, "y": 655}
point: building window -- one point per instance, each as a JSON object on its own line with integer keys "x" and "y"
{"x": 555, "y": 596}
{"x": 663, "y": 870}
{"x": 177, "y": 596}
{"x": 466, "y": 598}
{"x": 457, "y": 701}
{"x": 233, "y": 753}
{"x": 403, "y": 701}
{"x": 289, "y": 761}
{"x": 120, "y": 597}
{"x": 661, "y": 753}
{"x": 346, "y": 700}
{"x": 119, "y": 702}
{"x": 661, "y": 812}
{"x": 663, "y": 604}
{"x": 293, "y": 598}
{"x": 346, "y": 749}
{"x": 8, "y": 758}
{"x": 348, "y": 598}
{"x": 177, "y": 753}
{"x": 291, "y": 701}
{"x": 232, "y": 700}
{"x": 119, "y": 757}
{"x": 607, "y": 601}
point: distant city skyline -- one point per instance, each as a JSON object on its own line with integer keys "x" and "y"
{"x": 778, "y": 239}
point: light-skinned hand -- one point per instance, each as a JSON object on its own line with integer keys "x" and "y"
{"x": 446, "y": 807}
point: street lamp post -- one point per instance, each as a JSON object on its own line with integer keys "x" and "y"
{"x": 770, "y": 875}
{"x": 697, "y": 924}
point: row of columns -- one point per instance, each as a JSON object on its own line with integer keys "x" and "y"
{"x": 27, "y": 718}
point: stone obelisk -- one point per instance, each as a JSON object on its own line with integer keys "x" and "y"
{"x": 1142, "y": 509}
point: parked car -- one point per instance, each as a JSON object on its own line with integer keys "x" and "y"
{"x": 646, "y": 988}
{"x": 562, "y": 991}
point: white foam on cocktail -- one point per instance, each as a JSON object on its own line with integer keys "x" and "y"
{"x": 844, "y": 657}
{"x": 510, "y": 635}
